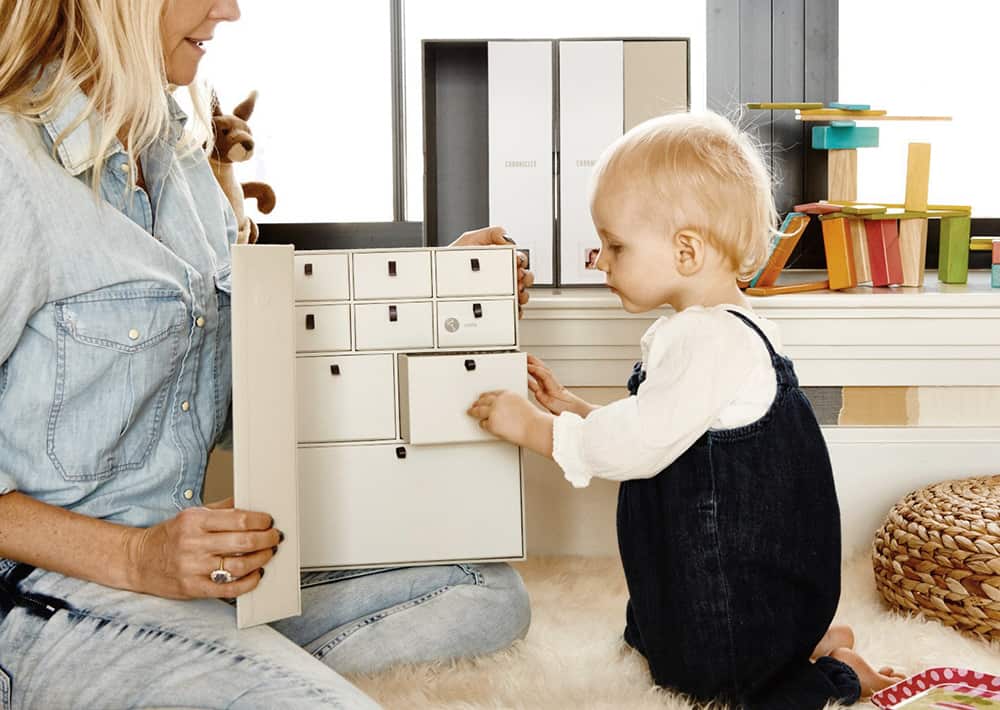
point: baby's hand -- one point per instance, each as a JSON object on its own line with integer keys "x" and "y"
{"x": 552, "y": 395}
{"x": 506, "y": 415}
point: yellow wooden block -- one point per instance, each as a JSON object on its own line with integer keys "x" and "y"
{"x": 918, "y": 175}
{"x": 981, "y": 243}
{"x": 841, "y": 113}
{"x": 857, "y": 116}
{"x": 964, "y": 209}
{"x": 913, "y": 250}
{"x": 859, "y": 242}
{"x": 842, "y": 175}
{"x": 839, "y": 255}
{"x": 785, "y": 105}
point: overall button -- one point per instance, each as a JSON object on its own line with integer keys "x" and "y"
{"x": 133, "y": 334}
{"x": 185, "y": 405}
{"x": 189, "y": 494}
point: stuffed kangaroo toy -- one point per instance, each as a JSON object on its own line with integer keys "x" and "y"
{"x": 233, "y": 143}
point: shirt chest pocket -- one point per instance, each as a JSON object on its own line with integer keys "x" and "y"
{"x": 117, "y": 354}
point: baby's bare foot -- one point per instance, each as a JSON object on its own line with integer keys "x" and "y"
{"x": 834, "y": 638}
{"x": 872, "y": 681}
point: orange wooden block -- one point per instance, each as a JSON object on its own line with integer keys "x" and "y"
{"x": 790, "y": 288}
{"x": 779, "y": 257}
{"x": 839, "y": 254}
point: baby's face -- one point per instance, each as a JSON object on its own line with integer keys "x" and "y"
{"x": 636, "y": 254}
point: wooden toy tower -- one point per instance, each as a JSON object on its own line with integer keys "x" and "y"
{"x": 881, "y": 244}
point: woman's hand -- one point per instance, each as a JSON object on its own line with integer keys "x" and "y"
{"x": 496, "y": 235}
{"x": 551, "y": 394}
{"x": 511, "y": 417}
{"x": 175, "y": 559}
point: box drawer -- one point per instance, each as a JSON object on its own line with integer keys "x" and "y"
{"x": 321, "y": 328}
{"x": 475, "y": 272}
{"x": 394, "y": 326}
{"x": 436, "y": 390}
{"x": 476, "y": 323}
{"x": 395, "y": 274}
{"x": 322, "y": 277}
{"x": 364, "y": 506}
{"x": 346, "y": 398}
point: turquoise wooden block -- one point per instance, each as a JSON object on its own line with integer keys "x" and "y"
{"x": 995, "y": 277}
{"x": 843, "y": 124}
{"x": 844, "y": 137}
{"x": 953, "y": 251}
{"x": 851, "y": 107}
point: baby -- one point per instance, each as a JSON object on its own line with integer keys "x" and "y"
{"x": 728, "y": 521}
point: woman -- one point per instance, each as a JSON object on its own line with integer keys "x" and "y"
{"x": 115, "y": 384}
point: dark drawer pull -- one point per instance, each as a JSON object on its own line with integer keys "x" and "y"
{"x": 477, "y": 310}
{"x": 393, "y": 315}
{"x": 475, "y": 264}
{"x": 334, "y": 369}
{"x": 470, "y": 365}
{"x": 400, "y": 452}
{"x": 392, "y": 268}
{"x": 309, "y": 269}
{"x": 310, "y": 321}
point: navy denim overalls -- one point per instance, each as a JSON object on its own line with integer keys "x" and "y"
{"x": 732, "y": 557}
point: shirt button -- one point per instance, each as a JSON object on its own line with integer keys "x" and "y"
{"x": 133, "y": 334}
{"x": 200, "y": 322}
{"x": 189, "y": 494}
{"x": 185, "y": 405}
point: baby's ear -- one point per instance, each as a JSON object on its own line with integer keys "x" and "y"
{"x": 688, "y": 248}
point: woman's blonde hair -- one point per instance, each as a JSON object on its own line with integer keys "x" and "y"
{"x": 697, "y": 171}
{"x": 112, "y": 48}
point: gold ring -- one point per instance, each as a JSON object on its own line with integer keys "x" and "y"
{"x": 222, "y": 575}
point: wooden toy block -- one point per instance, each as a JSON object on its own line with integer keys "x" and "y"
{"x": 839, "y": 255}
{"x": 964, "y": 209}
{"x": 883, "y": 252}
{"x": 894, "y": 213}
{"x": 862, "y": 116}
{"x": 829, "y": 113}
{"x": 859, "y": 244}
{"x": 783, "y": 105}
{"x": 842, "y": 175}
{"x": 844, "y": 137}
{"x": 918, "y": 173}
{"x": 996, "y": 251}
{"x": 817, "y": 208}
{"x": 850, "y": 107}
{"x": 981, "y": 243}
{"x": 863, "y": 209}
{"x": 995, "y": 276}
{"x": 792, "y": 229}
{"x": 843, "y": 124}
{"x": 953, "y": 252}
{"x": 772, "y": 245}
{"x": 913, "y": 250}
{"x": 790, "y": 288}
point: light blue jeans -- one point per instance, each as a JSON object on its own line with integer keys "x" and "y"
{"x": 67, "y": 644}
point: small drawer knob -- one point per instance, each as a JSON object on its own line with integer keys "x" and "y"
{"x": 310, "y": 321}
{"x": 334, "y": 369}
{"x": 470, "y": 365}
{"x": 392, "y": 268}
{"x": 475, "y": 264}
{"x": 400, "y": 452}
{"x": 393, "y": 314}
{"x": 308, "y": 269}
{"x": 477, "y": 310}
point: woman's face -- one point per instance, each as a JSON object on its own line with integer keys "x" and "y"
{"x": 187, "y": 27}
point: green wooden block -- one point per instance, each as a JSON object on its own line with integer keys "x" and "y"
{"x": 851, "y": 107}
{"x": 864, "y": 209}
{"x": 844, "y": 137}
{"x": 953, "y": 254}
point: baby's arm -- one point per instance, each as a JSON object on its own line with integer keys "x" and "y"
{"x": 550, "y": 393}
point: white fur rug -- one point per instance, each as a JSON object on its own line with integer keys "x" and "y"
{"x": 573, "y": 656}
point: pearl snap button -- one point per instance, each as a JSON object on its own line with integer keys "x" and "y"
{"x": 185, "y": 405}
{"x": 200, "y": 322}
{"x": 189, "y": 494}
{"x": 125, "y": 167}
{"x": 133, "y": 334}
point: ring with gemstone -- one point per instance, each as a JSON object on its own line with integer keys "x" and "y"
{"x": 222, "y": 575}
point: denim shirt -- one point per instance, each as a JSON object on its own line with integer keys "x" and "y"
{"x": 114, "y": 321}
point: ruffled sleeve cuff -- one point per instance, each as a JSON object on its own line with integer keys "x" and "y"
{"x": 567, "y": 448}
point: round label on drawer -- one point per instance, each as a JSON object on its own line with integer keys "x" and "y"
{"x": 451, "y": 325}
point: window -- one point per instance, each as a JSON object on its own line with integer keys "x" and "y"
{"x": 323, "y": 121}
{"x": 924, "y": 57}
{"x": 522, "y": 19}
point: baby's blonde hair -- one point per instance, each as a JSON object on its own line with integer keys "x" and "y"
{"x": 697, "y": 171}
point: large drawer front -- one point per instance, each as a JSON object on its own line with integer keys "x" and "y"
{"x": 397, "y": 274}
{"x": 322, "y": 277}
{"x": 322, "y": 328}
{"x": 476, "y": 323}
{"x": 346, "y": 398}
{"x": 366, "y": 506}
{"x": 475, "y": 272}
{"x": 435, "y": 391}
{"x": 394, "y": 326}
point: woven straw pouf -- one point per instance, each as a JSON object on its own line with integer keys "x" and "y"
{"x": 938, "y": 554}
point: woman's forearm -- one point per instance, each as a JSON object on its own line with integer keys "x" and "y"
{"x": 60, "y": 540}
